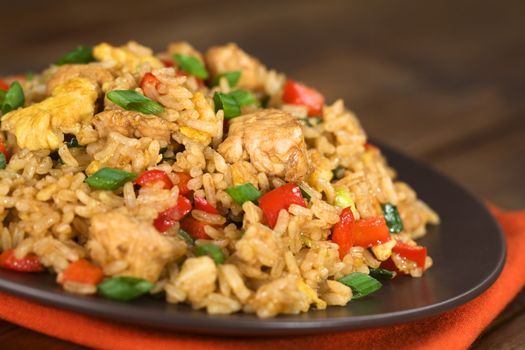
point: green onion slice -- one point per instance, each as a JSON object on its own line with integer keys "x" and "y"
{"x": 382, "y": 274}
{"x": 192, "y": 65}
{"x": 71, "y": 141}
{"x": 212, "y": 250}
{"x": 305, "y": 194}
{"x": 3, "y": 161}
{"x": 244, "y": 97}
{"x": 80, "y": 54}
{"x": 13, "y": 98}
{"x": 228, "y": 104}
{"x": 2, "y": 96}
{"x": 361, "y": 284}
{"x": 133, "y": 101}
{"x": 232, "y": 78}
{"x": 243, "y": 193}
{"x": 186, "y": 237}
{"x": 109, "y": 178}
{"x": 312, "y": 121}
{"x": 343, "y": 198}
{"x": 392, "y": 218}
{"x": 124, "y": 288}
{"x": 338, "y": 172}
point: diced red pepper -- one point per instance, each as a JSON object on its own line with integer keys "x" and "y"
{"x": 369, "y": 147}
{"x": 3, "y": 85}
{"x": 390, "y": 265}
{"x": 169, "y": 217}
{"x": 280, "y": 198}
{"x": 202, "y": 204}
{"x": 343, "y": 232}
{"x": 29, "y": 263}
{"x": 4, "y": 151}
{"x": 194, "y": 227}
{"x": 183, "y": 183}
{"x": 167, "y": 62}
{"x": 181, "y": 73}
{"x": 300, "y": 94}
{"x": 82, "y": 271}
{"x": 150, "y": 177}
{"x": 370, "y": 232}
{"x": 413, "y": 253}
{"x": 149, "y": 79}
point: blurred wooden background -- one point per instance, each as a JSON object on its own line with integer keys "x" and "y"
{"x": 442, "y": 80}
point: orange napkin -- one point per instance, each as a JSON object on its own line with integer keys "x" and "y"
{"x": 455, "y": 329}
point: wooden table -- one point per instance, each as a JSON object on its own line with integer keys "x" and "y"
{"x": 441, "y": 80}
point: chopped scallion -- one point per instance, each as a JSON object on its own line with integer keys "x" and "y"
{"x": 109, "y": 178}
{"x": 243, "y": 193}
{"x": 71, "y": 141}
{"x": 392, "y": 218}
{"x": 361, "y": 284}
{"x": 133, "y": 101}
{"x": 3, "y": 161}
{"x": 124, "y": 288}
{"x": 232, "y": 78}
{"x": 191, "y": 65}
{"x": 312, "y": 121}
{"x": 211, "y": 250}
{"x": 305, "y": 194}
{"x": 186, "y": 237}
{"x": 2, "y": 96}
{"x": 338, "y": 172}
{"x": 343, "y": 198}
{"x": 382, "y": 274}
{"x": 228, "y": 104}
{"x": 80, "y": 54}
{"x": 244, "y": 97}
{"x": 13, "y": 98}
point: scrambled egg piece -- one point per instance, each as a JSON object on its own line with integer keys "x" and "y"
{"x": 127, "y": 58}
{"x": 43, "y": 125}
{"x": 206, "y": 116}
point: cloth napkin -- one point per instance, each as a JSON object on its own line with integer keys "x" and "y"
{"x": 455, "y": 329}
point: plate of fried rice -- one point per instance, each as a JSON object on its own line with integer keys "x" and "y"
{"x": 205, "y": 192}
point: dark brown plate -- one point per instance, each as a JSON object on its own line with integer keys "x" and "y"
{"x": 468, "y": 250}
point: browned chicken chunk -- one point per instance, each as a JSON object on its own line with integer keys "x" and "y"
{"x": 132, "y": 124}
{"x": 91, "y": 72}
{"x": 272, "y": 140}
{"x": 137, "y": 243}
{"x": 220, "y": 59}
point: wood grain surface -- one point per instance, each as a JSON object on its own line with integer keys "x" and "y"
{"x": 443, "y": 81}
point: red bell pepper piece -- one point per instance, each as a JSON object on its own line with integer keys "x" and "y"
{"x": 300, "y": 94}
{"x": 389, "y": 264}
{"x": 343, "y": 232}
{"x": 167, "y": 62}
{"x": 370, "y": 232}
{"x": 82, "y": 271}
{"x": 151, "y": 176}
{"x": 149, "y": 79}
{"x": 194, "y": 227}
{"x": 169, "y": 217}
{"x": 183, "y": 183}
{"x": 4, "y": 151}
{"x": 369, "y": 146}
{"x": 29, "y": 263}
{"x": 280, "y": 198}
{"x": 413, "y": 253}
{"x": 3, "y": 85}
{"x": 202, "y": 204}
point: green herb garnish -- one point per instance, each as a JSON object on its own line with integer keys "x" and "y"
{"x": 109, "y": 178}
{"x": 186, "y": 237}
{"x": 133, "y": 101}
{"x": 80, "y": 55}
{"x": 3, "y": 161}
{"x": 243, "y": 193}
{"x": 191, "y": 65}
{"x": 382, "y": 274}
{"x": 14, "y": 98}
{"x": 231, "y": 77}
{"x": 361, "y": 284}
{"x": 392, "y": 218}
{"x": 211, "y": 250}
{"x": 124, "y": 288}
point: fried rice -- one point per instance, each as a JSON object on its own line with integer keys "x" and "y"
{"x": 240, "y": 190}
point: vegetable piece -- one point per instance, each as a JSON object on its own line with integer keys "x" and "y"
{"x": 300, "y": 94}
{"x": 150, "y": 177}
{"x": 280, "y": 198}
{"x": 382, "y": 274}
{"x": 71, "y": 141}
{"x": 343, "y": 198}
{"x": 212, "y": 250}
{"x": 343, "y": 232}
{"x": 29, "y": 263}
{"x": 4, "y": 151}
{"x": 170, "y": 216}
{"x": 202, "y": 204}
{"x": 109, "y": 178}
{"x": 183, "y": 183}
{"x": 244, "y": 97}
{"x": 3, "y": 85}
{"x": 194, "y": 227}
{"x": 192, "y": 65}
{"x": 124, "y": 288}
{"x": 3, "y": 161}
{"x": 369, "y": 147}
{"x": 149, "y": 79}
{"x": 186, "y": 237}
{"x": 232, "y": 78}
{"x": 228, "y": 104}
{"x": 311, "y": 121}
{"x": 413, "y": 253}
{"x": 82, "y": 271}
{"x": 13, "y": 98}
{"x": 80, "y": 54}
{"x": 243, "y": 193}
{"x": 370, "y": 232}
{"x": 361, "y": 284}
{"x": 305, "y": 194}
{"x": 338, "y": 172}
{"x": 133, "y": 101}
{"x": 392, "y": 218}
{"x": 2, "y": 97}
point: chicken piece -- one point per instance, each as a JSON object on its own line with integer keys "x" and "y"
{"x": 183, "y": 48}
{"x": 43, "y": 125}
{"x": 91, "y": 72}
{"x": 221, "y": 59}
{"x": 133, "y": 124}
{"x": 127, "y": 58}
{"x": 138, "y": 243}
{"x": 272, "y": 140}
